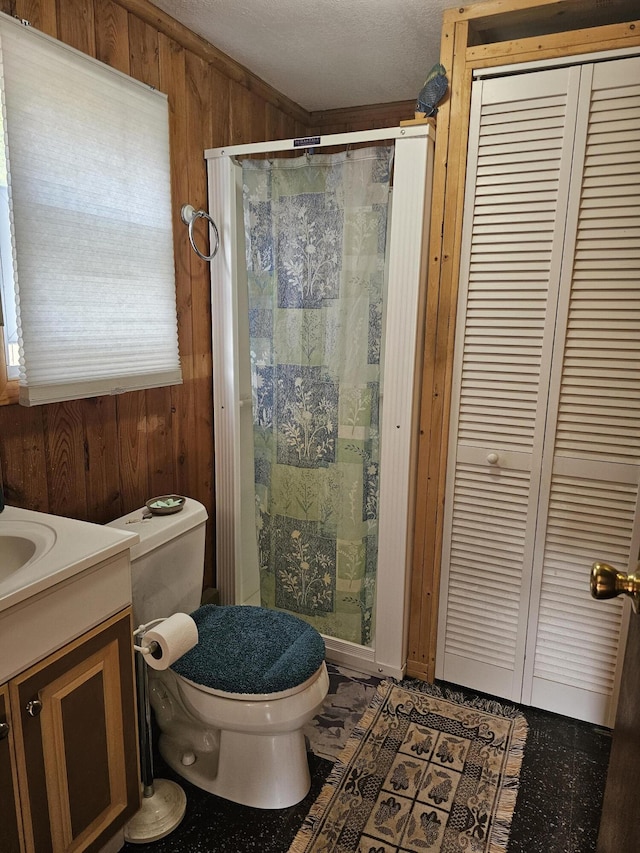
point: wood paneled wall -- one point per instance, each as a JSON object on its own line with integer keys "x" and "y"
{"x": 99, "y": 458}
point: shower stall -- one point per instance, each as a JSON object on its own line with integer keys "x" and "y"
{"x": 317, "y": 300}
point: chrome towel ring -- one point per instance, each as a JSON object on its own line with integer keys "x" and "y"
{"x": 189, "y": 214}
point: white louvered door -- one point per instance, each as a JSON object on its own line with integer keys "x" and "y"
{"x": 591, "y": 469}
{"x": 542, "y": 475}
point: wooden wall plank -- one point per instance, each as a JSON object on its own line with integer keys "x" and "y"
{"x": 22, "y": 457}
{"x": 112, "y": 35}
{"x": 220, "y": 105}
{"x": 143, "y": 52}
{"x": 41, "y": 14}
{"x": 199, "y": 121}
{"x": 240, "y": 119}
{"x": 131, "y": 416}
{"x": 144, "y": 65}
{"x": 102, "y": 469}
{"x": 159, "y": 428}
{"x": 272, "y": 122}
{"x": 173, "y": 82}
{"x": 65, "y": 454}
{"x": 76, "y": 25}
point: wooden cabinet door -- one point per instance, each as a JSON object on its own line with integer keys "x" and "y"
{"x": 74, "y": 715}
{"x": 9, "y": 806}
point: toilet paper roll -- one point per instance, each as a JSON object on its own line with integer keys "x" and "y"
{"x": 175, "y": 636}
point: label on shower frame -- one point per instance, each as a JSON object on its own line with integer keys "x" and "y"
{"x": 306, "y": 141}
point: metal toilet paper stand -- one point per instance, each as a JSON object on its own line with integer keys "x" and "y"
{"x": 163, "y": 801}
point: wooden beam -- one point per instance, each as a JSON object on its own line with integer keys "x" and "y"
{"x": 521, "y": 9}
{"x": 555, "y": 45}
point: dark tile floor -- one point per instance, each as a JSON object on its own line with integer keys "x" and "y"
{"x": 557, "y": 811}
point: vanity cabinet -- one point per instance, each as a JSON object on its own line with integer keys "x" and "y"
{"x": 72, "y": 745}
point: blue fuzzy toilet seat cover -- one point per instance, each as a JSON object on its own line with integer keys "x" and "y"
{"x": 251, "y": 650}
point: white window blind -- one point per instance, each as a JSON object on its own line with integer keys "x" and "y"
{"x": 90, "y": 209}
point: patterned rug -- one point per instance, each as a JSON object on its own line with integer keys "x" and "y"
{"x": 420, "y": 773}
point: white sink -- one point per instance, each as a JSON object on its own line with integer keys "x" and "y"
{"x": 24, "y": 543}
{"x": 38, "y": 550}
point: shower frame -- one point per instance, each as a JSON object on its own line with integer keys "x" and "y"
{"x": 236, "y": 560}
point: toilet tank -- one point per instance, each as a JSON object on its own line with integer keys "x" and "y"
{"x": 167, "y": 565}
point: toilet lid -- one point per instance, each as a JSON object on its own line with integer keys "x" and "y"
{"x": 251, "y": 650}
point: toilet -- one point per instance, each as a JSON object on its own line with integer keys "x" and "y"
{"x": 231, "y": 711}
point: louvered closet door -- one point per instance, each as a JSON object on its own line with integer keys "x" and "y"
{"x": 591, "y": 469}
{"x": 521, "y": 141}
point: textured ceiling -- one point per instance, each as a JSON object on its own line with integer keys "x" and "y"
{"x": 324, "y": 54}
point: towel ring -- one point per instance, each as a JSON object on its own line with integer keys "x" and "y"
{"x": 189, "y": 214}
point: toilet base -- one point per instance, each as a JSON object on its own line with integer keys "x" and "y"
{"x": 262, "y": 771}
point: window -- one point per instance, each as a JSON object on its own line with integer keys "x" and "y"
{"x": 88, "y": 273}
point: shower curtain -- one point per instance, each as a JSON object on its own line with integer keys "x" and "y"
{"x": 316, "y": 230}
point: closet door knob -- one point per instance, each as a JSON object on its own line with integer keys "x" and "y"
{"x": 492, "y": 458}
{"x": 607, "y": 582}
{"x": 4, "y": 730}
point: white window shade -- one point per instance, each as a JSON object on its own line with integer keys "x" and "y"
{"x": 90, "y": 201}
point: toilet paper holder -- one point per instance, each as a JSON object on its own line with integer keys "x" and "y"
{"x": 152, "y": 647}
{"x": 163, "y": 801}
{"x": 163, "y": 641}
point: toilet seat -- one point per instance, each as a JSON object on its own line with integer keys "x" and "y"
{"x": 246, "y": 652}
{"x": 255, "y": 697}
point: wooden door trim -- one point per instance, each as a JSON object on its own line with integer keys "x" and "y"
{"x": 5, "y": 714}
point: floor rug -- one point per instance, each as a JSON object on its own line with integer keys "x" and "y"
{"x": 420, "y": 773}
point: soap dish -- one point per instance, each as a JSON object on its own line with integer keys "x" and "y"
{"x": 165, "y": 504}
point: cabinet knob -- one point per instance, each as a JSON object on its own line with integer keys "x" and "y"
{"x": 493, "y": 458}
{"x": 4, "y": 730}
{"x": 33, "y": 707}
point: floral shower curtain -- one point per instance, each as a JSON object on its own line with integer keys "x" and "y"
{"x": 315, "y": 229}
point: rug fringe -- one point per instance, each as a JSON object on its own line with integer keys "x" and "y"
{"x": 330, "y": 788}
{"x": 490, "y": 706}
{"x": 506, "y": 804}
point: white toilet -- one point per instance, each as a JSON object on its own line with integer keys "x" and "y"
{"x": 231, "y": 711}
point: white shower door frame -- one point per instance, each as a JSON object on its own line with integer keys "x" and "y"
{"x": 236, "y": 558}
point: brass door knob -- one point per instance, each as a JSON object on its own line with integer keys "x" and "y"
{"x": 607, "y": 582}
